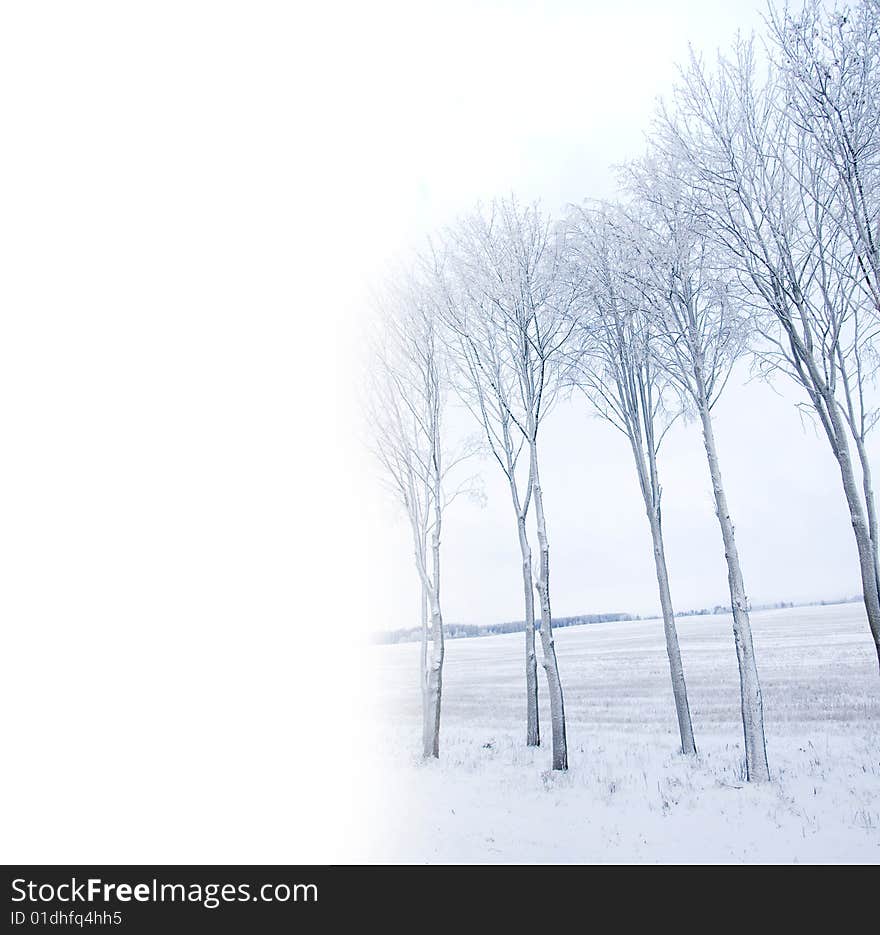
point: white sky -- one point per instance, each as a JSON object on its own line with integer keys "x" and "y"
{"x": 474, "y": 100}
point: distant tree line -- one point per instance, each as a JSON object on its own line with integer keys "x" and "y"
{"x": 455, "y": 631}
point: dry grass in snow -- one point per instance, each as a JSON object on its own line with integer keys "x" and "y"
{"x": 628, "y": 795}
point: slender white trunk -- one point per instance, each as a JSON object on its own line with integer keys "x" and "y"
{"x": 757, "y": 768}
{"x": 862, "y": 509}
{"x": 434, "y": 675}
{"x": 865, "y": 542}
{"x": 673, "y": 652}
{"x": 650, "y": 487}
{"x": 433, "y": 688}
{"x": 427, "y": 741}
{"x": 533, "y": 729}
{"x": 870, "y": 506}
{"x": 542, "y": 585}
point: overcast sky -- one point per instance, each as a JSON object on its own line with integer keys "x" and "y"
{"x": 462, "y": 102}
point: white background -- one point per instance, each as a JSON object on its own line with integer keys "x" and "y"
{"x": 176, "y": 570}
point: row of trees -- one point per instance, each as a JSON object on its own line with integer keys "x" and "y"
{"x": 469, "y": 630}
{"x": 750, "y": 227}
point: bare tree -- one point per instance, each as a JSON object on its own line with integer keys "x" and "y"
{"x": 507, "y": 304}
{"x": 770, "y": 195}
{"x": 829, "y": 61}
{"x": 699, "y": 340}
{"x": 406, "y": 405}
{"x": 613, "y": 361}
{"x": 486, "y": 386}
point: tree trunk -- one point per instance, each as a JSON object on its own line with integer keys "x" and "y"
{"x": 427, "y": 739}
{"x": 676, "y": 670}
{"x": 434, "y": 676}
{"x": 551, "y": 667}
{"x": 650, "y": 486}
{"x": 533, "y": 729}
{"x": 870, "y": 506}
{"x": 862, "y": 511}
{"x": 757, "y": 769}
{"x": 434, "y": 679}
{"x": 861, "y": 529}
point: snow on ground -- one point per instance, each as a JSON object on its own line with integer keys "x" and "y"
{"x": 628, "y": 795}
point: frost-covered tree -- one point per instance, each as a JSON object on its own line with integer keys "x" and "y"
{"x": 700, "y": 335}
{"x": 612, "y": 359}
{"x": 829, "y": 64}
{"x": 771, "y": 195}
{"x": 507, "y": 304}
{"x": 405, "y": 414}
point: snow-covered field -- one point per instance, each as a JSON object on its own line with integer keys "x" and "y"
{"x": 628, "y": 795}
